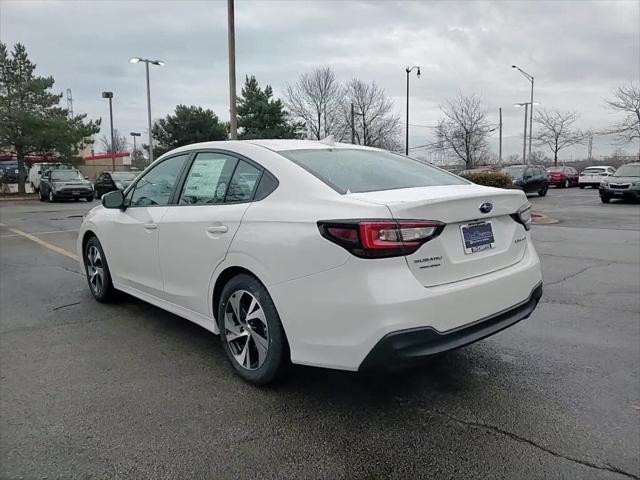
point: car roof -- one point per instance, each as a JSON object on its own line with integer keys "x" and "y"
{"x": 276, "y": 145}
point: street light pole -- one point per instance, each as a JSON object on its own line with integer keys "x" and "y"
{"x": 531, "y": 80}
{"x": 353, "y": 125}
{"x": 134, "y": 135}
{"x": 500, "y": 144}
{"x": 109, "y": 96}
{"x": 524, "y": 145}
{"x": 147, "y": 62}
{"x": 408, "y": 70}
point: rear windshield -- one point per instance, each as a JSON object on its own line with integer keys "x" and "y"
{"x": 123, "y": 176}
{"x": 593, "y": 171}
{"x": 514, "y": 171}
{"x": 357, "y": 171}
{"x": 556, "y": 170}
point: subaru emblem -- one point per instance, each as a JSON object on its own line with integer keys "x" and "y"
{"x": 486, "y": 207}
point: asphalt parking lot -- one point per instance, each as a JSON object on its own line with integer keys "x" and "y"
{"x": 130, "y": 391}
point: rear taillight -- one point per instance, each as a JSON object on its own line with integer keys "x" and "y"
{"x": 380, "y": 238}
{"x": 523, "y": 216}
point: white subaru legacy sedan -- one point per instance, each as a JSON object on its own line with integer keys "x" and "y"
{"x": 332, "y": 255}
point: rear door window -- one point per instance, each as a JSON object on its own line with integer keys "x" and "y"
{"x": 358, "y": 170}
{"x": 208, "y": 179}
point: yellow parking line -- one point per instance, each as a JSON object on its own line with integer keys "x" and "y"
{"x": 48, "y": 245}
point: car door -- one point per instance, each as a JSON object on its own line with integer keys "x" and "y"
{"x": 130, "y": 238}
{"x": 529, "y": 180}
{"x": 196, "y": 232}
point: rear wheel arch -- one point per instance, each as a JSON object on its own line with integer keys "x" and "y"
{"x": 224, "y": 277}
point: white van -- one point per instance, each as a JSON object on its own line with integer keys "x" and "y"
{"x": 36, "y": 172}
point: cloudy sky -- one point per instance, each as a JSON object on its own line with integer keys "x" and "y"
{"x": 578, "y": 51}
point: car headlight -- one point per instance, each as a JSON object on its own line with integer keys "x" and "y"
{"x": 523, "y": 216}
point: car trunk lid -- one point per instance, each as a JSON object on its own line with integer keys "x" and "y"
{"x": 446, "y": 258}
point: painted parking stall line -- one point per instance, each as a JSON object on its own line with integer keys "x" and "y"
{"x": 50, "y": 246}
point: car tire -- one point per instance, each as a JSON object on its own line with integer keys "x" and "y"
{"x": 567, "y": 184}
{"x": 41, "y": 196}
{"x": 52, "y": 197}
{"x": 543, "y": 192}
{"x": 581, "y": 186}
{"x": 246, "y": 311}
{"x": 605, "y": 198}
{"x": 97, "y": 271}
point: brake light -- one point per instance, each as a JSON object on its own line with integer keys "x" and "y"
{"x": 523, "y": 216}
{"x": 380, "y": 238}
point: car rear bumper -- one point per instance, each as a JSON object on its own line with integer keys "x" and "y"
{"x": 407, "y": 347}
{"x": 336, "y": 318}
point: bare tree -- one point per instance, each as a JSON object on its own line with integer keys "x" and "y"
{"x": 374, "y": 123}
{"x": 626, "y": 99}
{"x": 465, "y": 128}
{"x": 317, "y": 99}
{"x": 555, "y": 130}
{"x": 120, "y": 142}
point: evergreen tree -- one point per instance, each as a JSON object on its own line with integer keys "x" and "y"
{"x": 30, "y": 119}
{"x": 188, "y": 125}
{"x": 261, "y": 116}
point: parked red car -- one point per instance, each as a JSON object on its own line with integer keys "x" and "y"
{"x": 563, "y": 177}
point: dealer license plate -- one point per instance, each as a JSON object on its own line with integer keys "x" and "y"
{"x": 477, "y": 237}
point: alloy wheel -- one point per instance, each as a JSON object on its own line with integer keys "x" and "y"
{"x": 50, "y": 196}
{"x": 95, "y": 269}
{"x": 246, "y": 330}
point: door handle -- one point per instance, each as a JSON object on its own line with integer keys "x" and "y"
{"x": 150, "y": 226}
{"x": 218, "y": 229}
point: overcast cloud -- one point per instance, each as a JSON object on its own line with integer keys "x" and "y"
{"x": 578, "y": 51}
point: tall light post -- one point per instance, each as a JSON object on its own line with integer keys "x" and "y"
{"x": 146, "y": 63}
{"x": 109, "y": 96}
{"x": 134, "y": 135}
{"x": 528, "y": 106}
{"x": 409, "y": 70}
{"x": 530, "y": 78}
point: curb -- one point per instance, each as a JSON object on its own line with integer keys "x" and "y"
{"x": 18, "y": 199}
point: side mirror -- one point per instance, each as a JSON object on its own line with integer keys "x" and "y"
{"x": 113, "y": 199}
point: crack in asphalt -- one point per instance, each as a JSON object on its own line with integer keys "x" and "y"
{"x": 598, "y": 466}
{"x": 572, "y": 275}
{"x": 66, "y": 305}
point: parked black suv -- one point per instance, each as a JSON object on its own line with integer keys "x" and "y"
{"x": 528, "y": 178}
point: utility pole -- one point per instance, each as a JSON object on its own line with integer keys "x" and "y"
{"x": 500, "y": 144}
{"x": 531, "y": 119}
{"x": 524, "y": 145}
{"x": 233, "y": 121}
{"x": 590, "y": 146}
